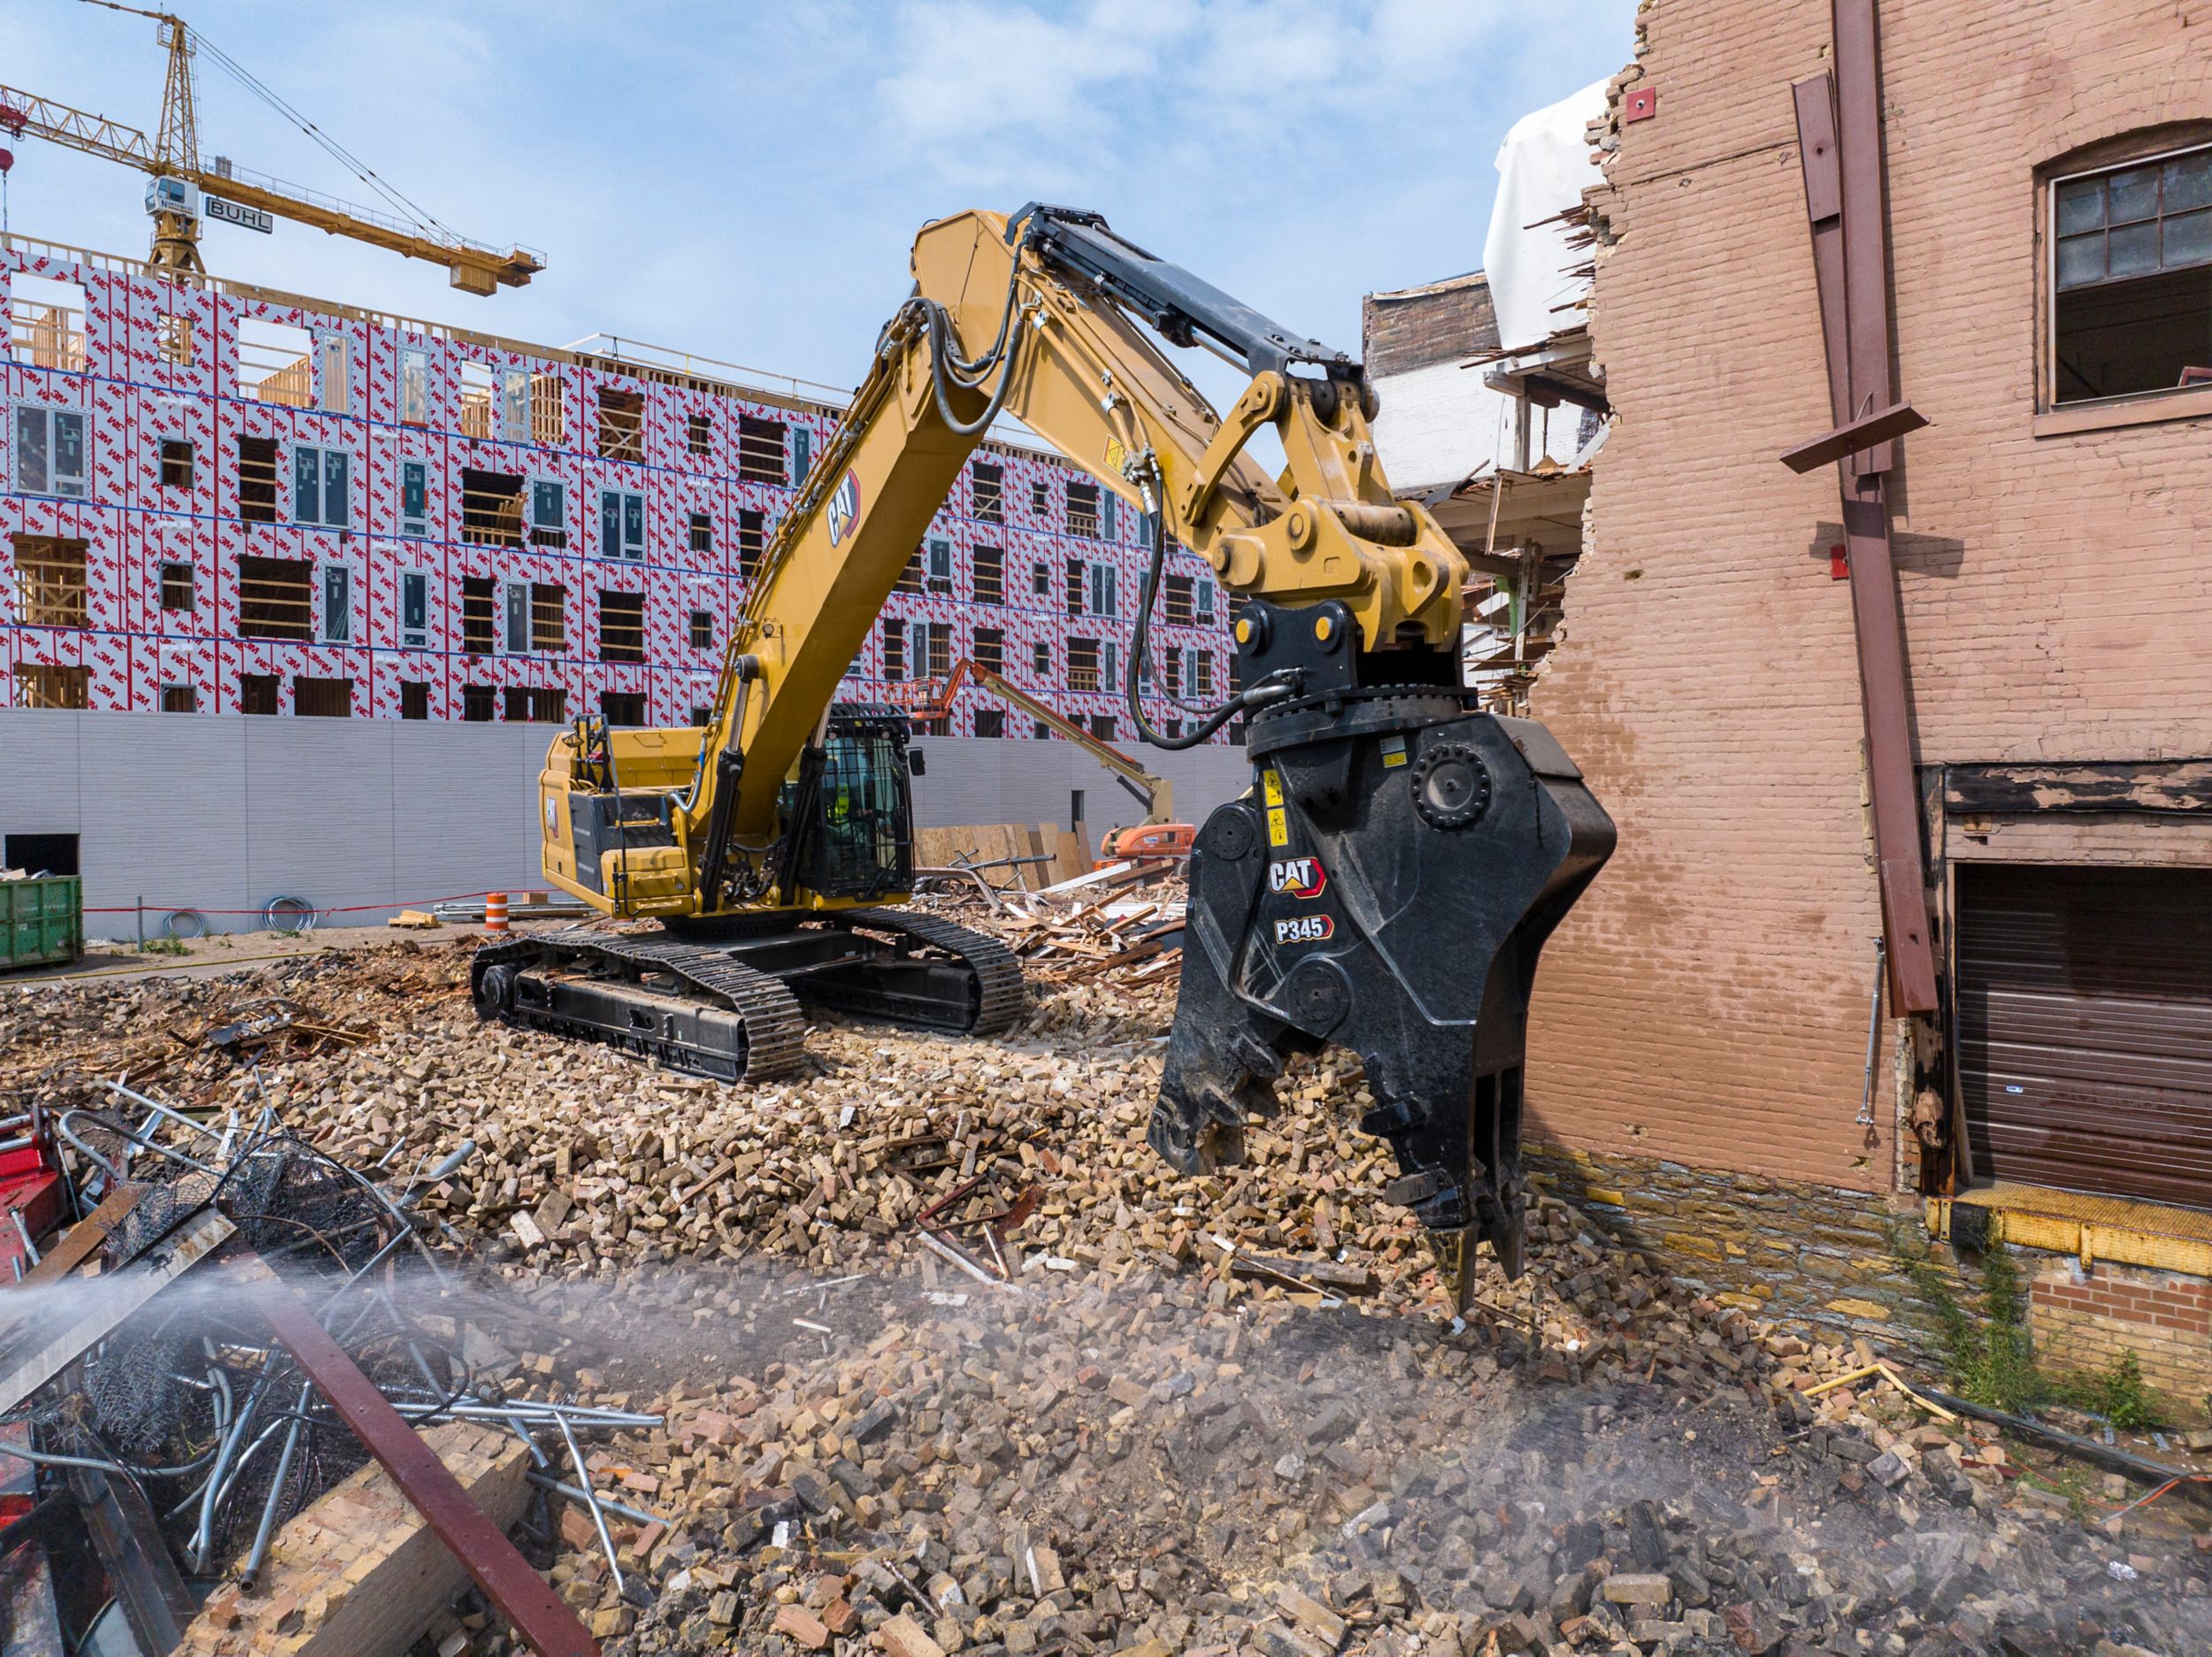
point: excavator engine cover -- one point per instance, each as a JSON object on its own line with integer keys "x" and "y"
{"x": 1385, "y": 888}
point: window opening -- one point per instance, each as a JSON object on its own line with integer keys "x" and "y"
{"x": 990, "y": 575}
{"x": 531, "y": 705}
{"x": 491, "y": 508}
{"x": 177, "y": 593}
{"x": 621, "y": 626}
{"x": 414, "y": 498}
{"x": 760, "y": 452}
{"x": 414, "y": 699}
{"x": 621, "y": 424}
{"x": 322, "y": 698}
{"x": 622, "y": 707}
{"x": 699, "y": 433}
{"x": 39, "y": 685}
{"x": 257, "y": 479}
{"x": 479, "y": 704}
{"x": 414, "y": 385}
{"x": 480, "y": 389}
{"x": 514, "y": 405}
{"x": 549, "y": 514}
{"x": 702, "y": 630}
{"x": 274, "y": 364}
{"x": 50, "y": 581}
{"x": 549, "y": 618}
{"x": 701, "y": 532}
{"x": 276, "y": 599}
{"x": 46, "y": 323}
{"x": 49, "y": 450}
{"x": 990, "y": 649}
{"x": 337, "y": 604}
{"x": 180, "y": 699}
{"x": 414, "y": 609}
{"x": 548, "y": 417}
{"x": 941, "y": 567}
{"x": 2131, "y": 309}
{"x": 1083, "y": 664}
{"x": 321, "y": 492}
{"x": 336, "y": 351}
{"x": 752, "y": 541}
{"x": 176, "y": 463}
{"x": 987, "y": 493}
{"x": 173, "y": 338}
{"x": 893, "y": 648}
{"x": 478, "y": 622}
{"x": 621, "y": 525}
{"x": 258, "y": 693}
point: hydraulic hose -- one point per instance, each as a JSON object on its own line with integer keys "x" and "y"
{"x": 1273, "y": 688}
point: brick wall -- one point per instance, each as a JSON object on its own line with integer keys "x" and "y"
{"x": 2085, "y": 1316}
{"x": 1707, "y": 1003}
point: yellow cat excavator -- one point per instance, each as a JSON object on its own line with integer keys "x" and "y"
{"x": 1386, "y": 885}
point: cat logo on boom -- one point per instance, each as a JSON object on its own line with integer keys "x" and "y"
{"x": 1299, "y": 877}
{"x": 844, "y": 506}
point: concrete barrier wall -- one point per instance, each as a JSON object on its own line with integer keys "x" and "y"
{"x": 224, "y": 812}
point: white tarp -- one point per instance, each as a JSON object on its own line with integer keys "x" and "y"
{"x": 1543, "y": 167}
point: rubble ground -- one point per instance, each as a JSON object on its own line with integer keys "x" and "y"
{"x": 1222, "y": 1414}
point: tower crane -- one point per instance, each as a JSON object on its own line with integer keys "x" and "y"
{"x": 181, "y": 191}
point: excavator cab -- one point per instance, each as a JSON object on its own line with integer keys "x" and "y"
{"x": 851, "y": 828}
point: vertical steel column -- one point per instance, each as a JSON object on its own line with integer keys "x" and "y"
{"x": 1840, "y": 131}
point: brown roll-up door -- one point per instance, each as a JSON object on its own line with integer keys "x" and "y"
{"x": 2085, "y": 1021}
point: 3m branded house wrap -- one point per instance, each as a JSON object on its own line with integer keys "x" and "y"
{"x": 220, "y": 501}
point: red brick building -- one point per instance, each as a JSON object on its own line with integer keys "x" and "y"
{"x": 1701, "y": 1037}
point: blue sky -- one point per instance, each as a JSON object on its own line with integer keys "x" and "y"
{"x": 743, "y": 181}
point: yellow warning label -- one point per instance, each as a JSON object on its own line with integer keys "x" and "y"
{"x": 1393, "y": 751}
{"x": 1271, "y": 786}
{"x": 1278, "y": 826}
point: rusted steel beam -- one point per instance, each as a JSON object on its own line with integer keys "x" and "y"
{"x": 1853, "y": 437}
{"x": 524, "y": 1598}
{"x": 1858, "y": 77}
{"x": 1839, "y": 135}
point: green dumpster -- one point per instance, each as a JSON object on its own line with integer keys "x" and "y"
{"x": 42, "y": 921}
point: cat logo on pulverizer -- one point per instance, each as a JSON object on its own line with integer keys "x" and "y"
{"x": 1305, "y": 929}
{"x": 1299, "y": 877}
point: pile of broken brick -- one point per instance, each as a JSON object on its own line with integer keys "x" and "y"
{"x": 1228, "y": 1415}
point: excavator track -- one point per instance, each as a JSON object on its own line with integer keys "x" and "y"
{"x": 730, "y": 1010}
{"x": 993, "y": 1002}
{"x": 719, "y": 1017}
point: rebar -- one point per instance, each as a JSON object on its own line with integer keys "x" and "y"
{"x": 591, "y": 1501}
{"x": 251, "y": 1571}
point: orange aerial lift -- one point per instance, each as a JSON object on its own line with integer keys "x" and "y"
{"x": 1159, "y": 835}
{"x": 180, "y": 192}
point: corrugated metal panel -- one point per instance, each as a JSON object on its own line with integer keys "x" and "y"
{"x": 2085, "y": 1028}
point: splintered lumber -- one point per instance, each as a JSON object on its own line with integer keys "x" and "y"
{"x": 98, "y": 1310}
{"x": 86, "y": 1236}
{"x": 414, "y": 920}
{"x": 479, "y": 1541}
{"x": 358, "y": 1570}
